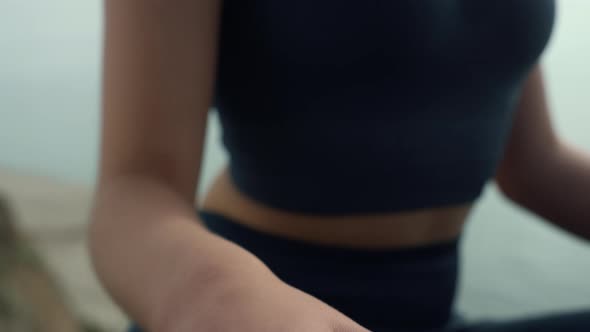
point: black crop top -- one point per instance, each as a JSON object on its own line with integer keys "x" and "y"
{"x": 371, "y": 106}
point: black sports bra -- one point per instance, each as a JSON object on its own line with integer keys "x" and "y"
{"x": 360, "y": 106}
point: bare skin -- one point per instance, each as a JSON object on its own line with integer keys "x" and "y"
{"x": 390, "y": 230}
{"x": 158, "y": 74}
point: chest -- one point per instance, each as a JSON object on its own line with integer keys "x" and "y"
{"x": 408, "y": 32}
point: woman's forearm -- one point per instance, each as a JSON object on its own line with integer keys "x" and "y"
{"x": 569, "y": 204}
{"x": 153, "y": 256}
{"x": 559, "y": 189}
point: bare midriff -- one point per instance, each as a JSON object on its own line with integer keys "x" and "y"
{"x": 378, "y": 231}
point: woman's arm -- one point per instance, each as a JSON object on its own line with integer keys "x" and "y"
{"x": 147, "y": 245}
{"x": 540, "y": 171}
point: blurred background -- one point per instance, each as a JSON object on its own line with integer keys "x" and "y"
{"x": 514, "y": 264}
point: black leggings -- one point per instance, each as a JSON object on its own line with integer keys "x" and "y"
{"x": 409, "y": 290}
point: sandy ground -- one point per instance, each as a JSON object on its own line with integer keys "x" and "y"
{"x": 54, "y": 215}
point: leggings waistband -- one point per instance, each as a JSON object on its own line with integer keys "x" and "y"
{"x": 251, "y": 237}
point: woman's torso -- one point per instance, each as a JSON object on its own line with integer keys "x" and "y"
{"x": 367, "y": 124}
{"x": 388, "y": 230}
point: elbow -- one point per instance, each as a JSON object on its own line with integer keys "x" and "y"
{"x": 514, "y": 185}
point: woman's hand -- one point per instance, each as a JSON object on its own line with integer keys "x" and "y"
{"x": 260, "y": 304}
